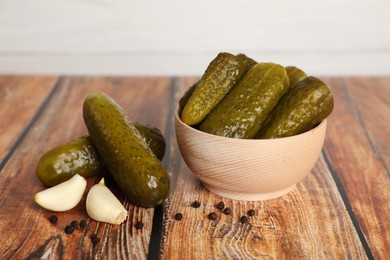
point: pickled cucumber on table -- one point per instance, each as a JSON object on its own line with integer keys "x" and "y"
{"x": 220, "y": 76}
{"x": 245, "y": 108}
{"x": 64, "y": 161}
{"x": 304, "y": 106}
{"x": 153, "y": 138}
{"x": 81, "y": 157}
{"x": 136, "y": 170}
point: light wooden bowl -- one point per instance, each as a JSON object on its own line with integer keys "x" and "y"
{"x": 249, "y": 169}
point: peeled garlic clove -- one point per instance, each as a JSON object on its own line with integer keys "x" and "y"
{"x": 102, "y": 205}
{"x": 63, "y": 196}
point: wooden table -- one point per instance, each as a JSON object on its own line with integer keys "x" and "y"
{"x": 340, "y": 211}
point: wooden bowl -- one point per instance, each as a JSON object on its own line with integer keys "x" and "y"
{"x": 249, "y": 169}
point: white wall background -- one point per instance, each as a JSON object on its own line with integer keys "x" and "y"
{"x": 178, "y": 37}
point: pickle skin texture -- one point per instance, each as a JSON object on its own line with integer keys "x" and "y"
{"x": 153, "y": 138}
{"x": 220, "y": 76}
{"x": 245, "y": 108}
{"x": 248, "y": 62}
{"x": 184, "y": 99}
{"x": 305, "y": 106}
{"x": 135, "y": 169}
{"x": 64, "y": 161}
{"x": 81, "y": 157}
{"x": 295, "y": 75}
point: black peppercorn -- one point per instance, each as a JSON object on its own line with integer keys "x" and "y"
{"x": 69, "y": 229}
{"x": 53, "y": 219}
{"x": 95, "y": 240}
{"x": 83, "y": 223}
{"x": 220, "y": 205}
{"x": 212, "y": 216}
{"x": 74, "y": 223}
{"x": 227, "y": 211}
{"x": 139, "y": 225}
{"x": 178, "y": 216}
{"x": 195, "y": 204}
{"x": 244, "y": 219}
{"x": 251, "y": 212}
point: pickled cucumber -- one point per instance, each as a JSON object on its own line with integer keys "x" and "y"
{"x": 295, "y": 75}
{"x": 301, "y": 109}
{"x": 244, "y": 109}
{"x": 134, "y": 167}
{"x": 184, "y": 99}
{"x": 153, "y": 138}
{"x": 64, "y": 161}
{"x": 248, "y": 62}
{"x": 220, "y": 76}
{"x": 81, "y": 157}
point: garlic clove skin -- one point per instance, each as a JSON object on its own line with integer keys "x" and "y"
{"x": 103, "y": 206}
{"x": 64, "y": 196}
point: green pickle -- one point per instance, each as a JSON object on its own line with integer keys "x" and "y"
{"x": 305, "y": 106}
{"x": 64, "y": 161}
{"x": 81, "y": 157}
{"x": 248, "y": 62}
{"x": 244, "y": 109}
{"x": 295, "y": 75}
{"x": 220, "y": 76}
{"x": 153, "y": 138}
{"x": 135, "y": 169}
{"x": 184, "y": 99}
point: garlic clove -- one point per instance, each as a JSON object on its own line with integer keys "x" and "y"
{"x": 63, "y": 196}
{"x": 103, "y": 206}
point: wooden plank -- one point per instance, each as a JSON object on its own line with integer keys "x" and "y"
{"x": 31, "y": 235}
{"x": 17, "y": 108}
{"x": 288, "y": 227}
{"x": 371, "y": 97}
{"x": 358, "y": 150}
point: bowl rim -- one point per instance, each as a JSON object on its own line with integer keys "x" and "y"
{"x": 241, "y": 140}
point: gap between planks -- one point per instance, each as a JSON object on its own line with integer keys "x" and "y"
{"x": 27, "y": 128}
{"x": 157, "y": 227}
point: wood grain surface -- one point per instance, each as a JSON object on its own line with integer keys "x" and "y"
{"x": 358, "y": 152}
{"x": 340, "y": 211}
{"x": 19, "y": 108}
{"x": 26, "y": 231}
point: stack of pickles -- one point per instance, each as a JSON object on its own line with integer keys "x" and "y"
{"x": 238, "y": 97}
